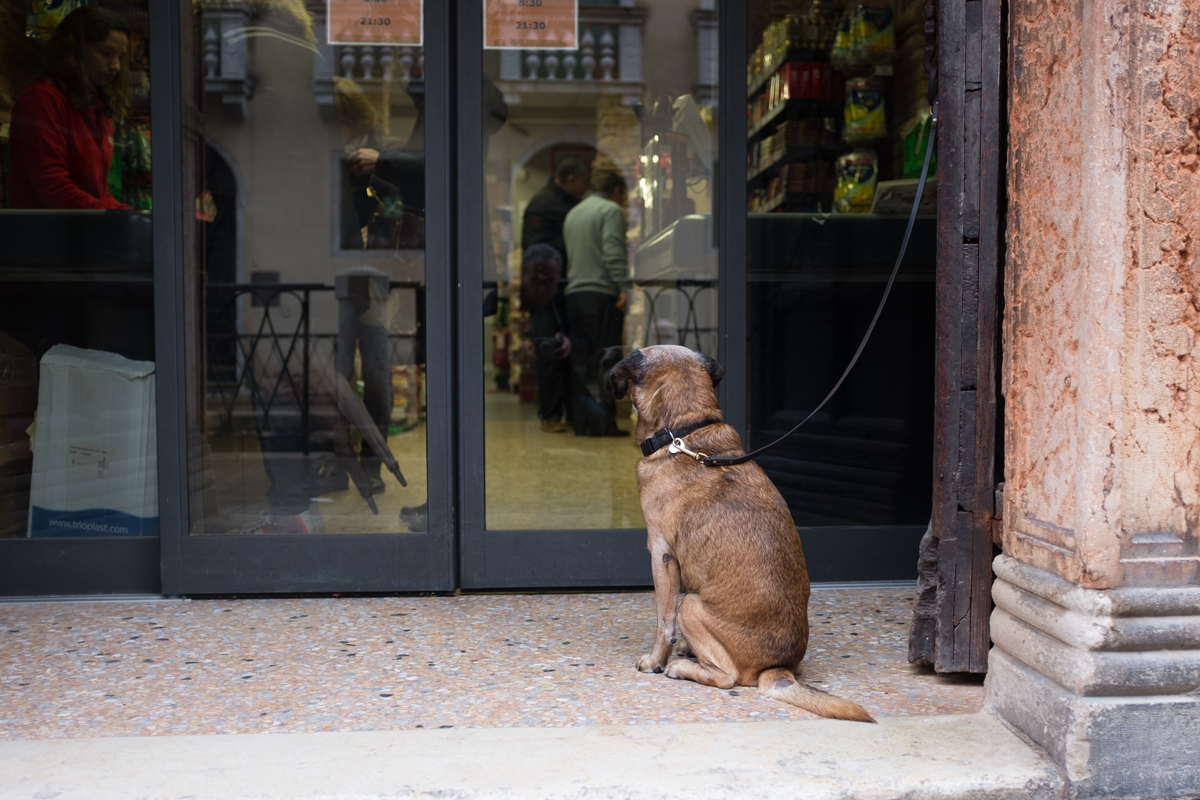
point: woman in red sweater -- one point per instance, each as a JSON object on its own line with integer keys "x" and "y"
{"x": 60, "y": 140}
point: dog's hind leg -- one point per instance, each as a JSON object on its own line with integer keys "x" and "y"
{"x": 682, "y": 648}
{"x": 683, "y": 669}
{"x": 715, "y": 667}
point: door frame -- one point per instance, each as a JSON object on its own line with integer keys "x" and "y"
{"x": 200, "y": 565}
{"x": 952, "y": 615}
{"x": 612, "y": 557}
{"x": 459, "y": 552}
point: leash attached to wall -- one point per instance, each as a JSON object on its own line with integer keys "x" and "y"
{"x": 912, "y": 218}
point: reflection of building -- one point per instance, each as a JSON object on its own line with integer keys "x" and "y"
{"x": 599, "y": 102}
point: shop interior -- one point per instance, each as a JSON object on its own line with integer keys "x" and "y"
{"x": 582, "y": 129}
{"x": 837, "y": 122}
{"x": 76, "y": 268}
{"x": 311, "y": 241}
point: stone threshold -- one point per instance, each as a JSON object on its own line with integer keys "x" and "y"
{"x": 961, "y": 757}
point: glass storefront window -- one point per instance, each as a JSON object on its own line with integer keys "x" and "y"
{"x": 837, "y": 120}
{"x": 77, "y": 371}
{"x": 313, "y": 271}
{"x": 600, "y": 155}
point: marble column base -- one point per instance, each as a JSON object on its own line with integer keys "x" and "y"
{"x": 1107, "y": 682}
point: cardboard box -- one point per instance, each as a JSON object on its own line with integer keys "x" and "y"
{"x": 18, "y": 377}
{"x": 896, "y": 197}
{"x": 95, "y": 469}
{"x": 16, "y": 463}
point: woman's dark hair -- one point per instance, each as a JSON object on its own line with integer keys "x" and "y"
{"x": 64, "y": 53}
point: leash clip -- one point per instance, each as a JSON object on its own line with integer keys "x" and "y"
{"x": 677, "y": 446}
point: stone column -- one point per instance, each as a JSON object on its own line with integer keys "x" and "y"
{"x": 1097, "y": 620}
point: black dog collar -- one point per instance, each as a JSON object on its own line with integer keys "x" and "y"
{"x": 663, "y": 437}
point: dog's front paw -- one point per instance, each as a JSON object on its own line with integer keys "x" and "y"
{"x": 651, "y": 663}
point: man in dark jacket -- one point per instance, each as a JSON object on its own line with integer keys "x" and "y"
{"x": 543, "y": 221}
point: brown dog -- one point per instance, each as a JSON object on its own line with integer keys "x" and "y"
{"x": 729, "y": 574}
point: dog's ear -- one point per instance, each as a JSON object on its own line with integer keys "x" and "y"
{"x": 626, "y": 372}
{"x": 715, "y": 370}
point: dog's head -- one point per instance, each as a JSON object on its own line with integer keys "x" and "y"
{"x": 665, "y": 381}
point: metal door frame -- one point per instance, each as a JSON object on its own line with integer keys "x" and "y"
{"x": 193, "y": 565}
{"x": 527, "y": 559}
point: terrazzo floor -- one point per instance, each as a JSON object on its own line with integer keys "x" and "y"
{"x": 179, "y": 667}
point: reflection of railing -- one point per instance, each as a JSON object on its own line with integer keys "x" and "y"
{"x": 609, "y": 57}
{"x": 275, "y": 363}
{"x": 595, "y": 60}
{"x": 372, "y": 67}
{"x": 691, "y": 330}
{"x": 371, "y": 64}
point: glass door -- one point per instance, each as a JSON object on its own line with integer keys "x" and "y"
{"x": 589, "y": 207}
{"x": 315, "y": 286}
{"x": 837, "y": 118}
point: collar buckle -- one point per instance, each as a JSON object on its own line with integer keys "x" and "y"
{"x": 677, "y": 446}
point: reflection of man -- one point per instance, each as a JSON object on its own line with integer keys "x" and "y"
{"x": 362, "y": 294}
{"x": 594, "y": 232}
{"x": 541, "y": 272}
{"x": 543, "y": 220}
{"x": 385, "y": 175}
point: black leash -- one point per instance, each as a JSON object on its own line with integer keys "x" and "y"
{"x": 912, "y": 218}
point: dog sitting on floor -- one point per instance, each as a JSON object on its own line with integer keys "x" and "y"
{"x": 730, "y": 585}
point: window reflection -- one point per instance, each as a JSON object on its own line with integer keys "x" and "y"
{"x": 837, "y": 119}
{"x": 314, "y": 301}
{"x": 77, "y": 371}
{"x": 599, "y": 194}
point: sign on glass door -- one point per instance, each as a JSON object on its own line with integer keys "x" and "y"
{"x": 531, "y": 24}
{"x": 376, "y": 22}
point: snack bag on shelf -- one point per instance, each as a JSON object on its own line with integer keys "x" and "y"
{"x": 857, "y": 174}
{"x": 873, "y": 32}
{"x": 915, "y": 136}
{"x": 864, "y": 113}
{"x": 841, "y": 54}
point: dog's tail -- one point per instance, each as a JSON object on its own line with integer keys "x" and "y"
{"x": 781, "y": 684}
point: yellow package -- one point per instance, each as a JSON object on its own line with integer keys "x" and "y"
{"x": 857, "y": 175}
{"x": 873, "y": 35}
{"x": 864, "y": 113}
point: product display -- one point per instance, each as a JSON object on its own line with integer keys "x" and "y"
{"x": 873, "y": 33}
{"x": 914, "y": 136}
{"x": 857, "y": 175}
{"x": 865, "y": 118}
{"x": 18, "y": 398}
{"x": 896, "y": 197}
{"x": 807, "y": 106}
{"x": 842, "y": 55}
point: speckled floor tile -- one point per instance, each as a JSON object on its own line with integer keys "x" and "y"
{"x": 85, "y": 669}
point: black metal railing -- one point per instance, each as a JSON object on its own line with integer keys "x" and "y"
{"x": 273, "y": 364}
{"x": 691, "y": 329}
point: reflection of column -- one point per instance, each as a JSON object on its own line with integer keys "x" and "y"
{"x": 1097, "y": 620}
{"x": 629, "y": 44}
{"x": 510, "y": 65}
{"x": 704, "y": 20}
{"x": 618, "y": 136}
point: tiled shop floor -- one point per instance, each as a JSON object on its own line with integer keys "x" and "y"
{"x": 85, "y": 669}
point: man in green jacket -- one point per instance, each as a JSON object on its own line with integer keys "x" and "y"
{"x": 597, "y": 295}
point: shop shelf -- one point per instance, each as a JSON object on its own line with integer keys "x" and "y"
{"x": 824, "y": 199}
{"x": 790, "y": 155}
{"x": 799, "y": 55}
{"x": 795, "y": 108}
